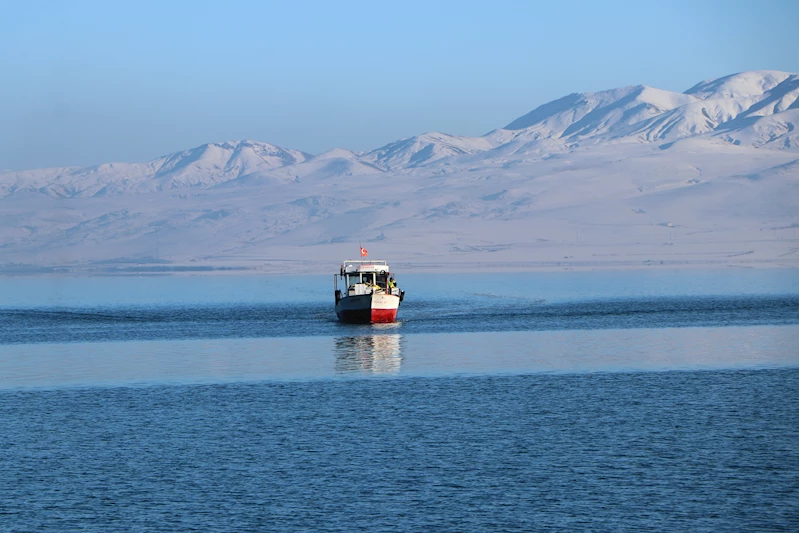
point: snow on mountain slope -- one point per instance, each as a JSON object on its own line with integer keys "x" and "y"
{"x": 698, "y": 202}
{"x": 646, "y": 114}
{"x": 334, "y": 163}
{"x": 75, "y": 181}
{"x": 617, "y": 177}
{"x": 215, "y": 163}
{"x": 424, "y": 149}
{"x": 741, "y": 85}
{"x": 734, "y": 103}
{"x": 612, "y": 113}
{"x": 780, "y": 130}
{"x": 752, "y": 108}
{"x": 203, "y": 166}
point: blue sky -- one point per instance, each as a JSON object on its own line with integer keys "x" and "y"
{"x": 91, "y": 82}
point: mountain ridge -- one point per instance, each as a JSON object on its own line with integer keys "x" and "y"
{"x": 634, "y": 176}
{"x": 734, "y": 109}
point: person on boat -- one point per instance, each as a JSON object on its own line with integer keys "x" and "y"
{"x": 391, "y": 283}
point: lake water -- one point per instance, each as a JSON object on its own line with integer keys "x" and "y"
{"x": 572, "y": 401}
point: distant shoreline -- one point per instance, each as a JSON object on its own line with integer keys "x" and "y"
{"x": 275, "y": 267}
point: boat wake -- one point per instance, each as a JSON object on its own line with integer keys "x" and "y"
{"x": 52, "y": 324}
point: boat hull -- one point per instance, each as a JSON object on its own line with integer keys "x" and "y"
{"x": 368, "y": 308}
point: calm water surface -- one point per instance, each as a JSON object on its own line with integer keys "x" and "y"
{"x": 561, "y": 401}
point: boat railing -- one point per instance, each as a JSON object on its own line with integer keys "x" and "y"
{"x": 352, "y": 265}
{"x": 358, "y": 262}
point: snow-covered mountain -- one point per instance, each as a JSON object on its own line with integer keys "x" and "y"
{"x": 718, "y": 108}
{"x": 424, "y": 149}
{"x": 204, "y": 166}
{"x": 624, "y": 176}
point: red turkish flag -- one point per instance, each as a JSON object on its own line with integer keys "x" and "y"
{"x": 364, "y": 253}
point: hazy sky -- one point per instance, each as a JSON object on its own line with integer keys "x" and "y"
{"x": 83, "y": 83}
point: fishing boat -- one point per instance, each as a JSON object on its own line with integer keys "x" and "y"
{"x": 369, "y": 294}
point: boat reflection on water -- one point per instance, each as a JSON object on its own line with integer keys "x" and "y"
{"x": 368, "y": 354}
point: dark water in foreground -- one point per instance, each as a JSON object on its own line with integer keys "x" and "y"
{"x": 635, "y": 401}
{"x": 676, "y": 451}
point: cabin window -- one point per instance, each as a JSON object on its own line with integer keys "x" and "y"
{"x": 380, "y": 278}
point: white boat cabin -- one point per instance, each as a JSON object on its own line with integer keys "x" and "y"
{"x": 366, "y": 277}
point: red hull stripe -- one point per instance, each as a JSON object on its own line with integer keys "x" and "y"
{"x": 365, "y": 316}
{"x": 384, "y": 315}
